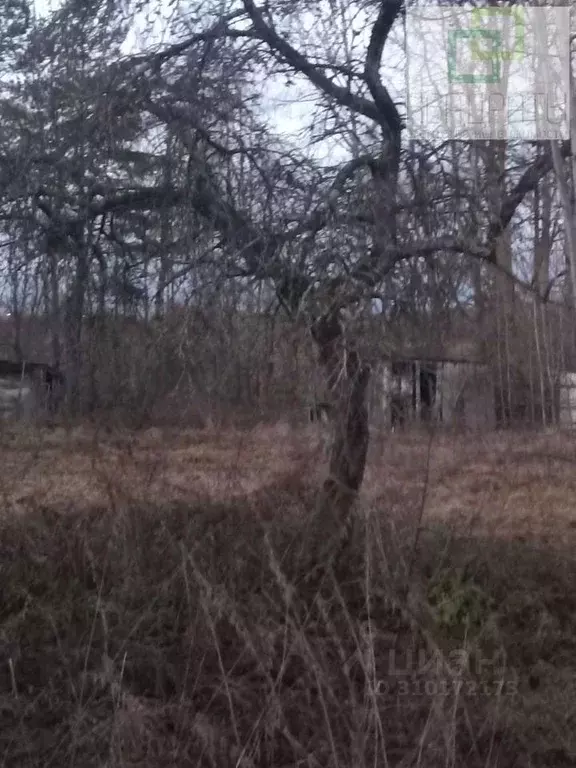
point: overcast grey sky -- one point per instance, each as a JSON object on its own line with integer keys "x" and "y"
{"x": 287, "y": 109}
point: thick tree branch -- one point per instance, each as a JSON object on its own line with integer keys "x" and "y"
{"x": 218, "y": 30}
{"x": 369, "y": 273}
{"x": 389, "y": 10}
{"x": 527, "y": 183}
{"x": 300, "y": 64}
{"x": 320, "y": 217}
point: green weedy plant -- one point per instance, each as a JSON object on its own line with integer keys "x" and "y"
{"x": 459, "y": 605}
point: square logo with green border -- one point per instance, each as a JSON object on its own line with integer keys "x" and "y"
{"x": 472, "y": 37}
{"x": 496, "y": 35}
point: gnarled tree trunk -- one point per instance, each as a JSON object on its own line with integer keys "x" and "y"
{"x": 346, "y": 384}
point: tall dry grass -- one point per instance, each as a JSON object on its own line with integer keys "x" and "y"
{"x": 136, "y": 630}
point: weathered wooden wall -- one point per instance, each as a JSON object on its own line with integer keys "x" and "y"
{"x": 19, "y": 397}
{"x": 464, "y": 395}
{"x": 567, "y": 401}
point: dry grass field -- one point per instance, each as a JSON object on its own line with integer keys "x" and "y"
{"x": 156, "y": 608}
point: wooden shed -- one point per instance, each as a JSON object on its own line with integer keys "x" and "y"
{"x": 28, "y": 390}
{"x": 453, "y": 387}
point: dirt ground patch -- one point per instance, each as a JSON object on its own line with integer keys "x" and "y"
{"x": 86, "y": 466}
{"x": 505, "y": 485}
{"x": 511, "y": 485}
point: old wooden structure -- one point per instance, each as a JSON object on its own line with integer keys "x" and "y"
{"x": 454, "y": 392}
{"x": 29, "y": 390}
